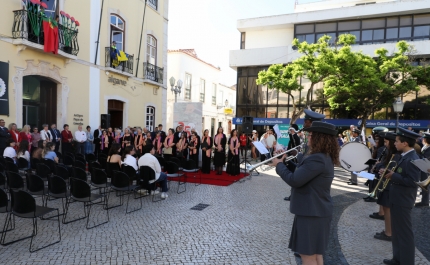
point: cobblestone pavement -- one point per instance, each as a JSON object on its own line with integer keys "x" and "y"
{"x": 245, "y": 223}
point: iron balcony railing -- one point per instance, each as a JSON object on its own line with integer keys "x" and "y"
{"x": 153, "y": 72}
{"x": 23, "y": 29}
{"x": 153, "y": 3}
{"x": 112, "y": 61}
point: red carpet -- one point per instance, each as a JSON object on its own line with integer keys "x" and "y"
{"x": 212, "y": 178}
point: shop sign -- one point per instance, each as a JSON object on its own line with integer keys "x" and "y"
{"x": 116, "y": 81}
{"x": 78, "y": 119}
{"x": 228, "y": 111}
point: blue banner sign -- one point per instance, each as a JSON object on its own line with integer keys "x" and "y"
{"x": 416, "y": 124}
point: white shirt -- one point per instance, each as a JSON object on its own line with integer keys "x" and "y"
{"x": 46, "y": 135}
{"x": 80, "y": 136}
{"x": 10, "y": 152}
{"x": 403, "y": 154}
{"x": 152, "y": 162}
{"x": 130, "y": 161}
{"x": 26, "y": 155}
{"x": 270, "y": 140}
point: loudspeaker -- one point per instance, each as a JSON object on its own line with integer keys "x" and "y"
{"x": 247, "y": 124}
{"x": 105, "y": 121}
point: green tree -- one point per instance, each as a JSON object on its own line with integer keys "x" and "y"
{"x": 315, "y": 65}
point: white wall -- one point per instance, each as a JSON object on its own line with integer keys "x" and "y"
{"x": 321, "y": 5}
{"x": 268, "y": 38}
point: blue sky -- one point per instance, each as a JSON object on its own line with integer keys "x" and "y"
{"x": 209, "y": 26}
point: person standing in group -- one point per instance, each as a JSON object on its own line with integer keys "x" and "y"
{"x": 182, "y": 147}
{"x": 45, "y": 134}
{"x": 14, "y": 133}
{"x": 25, "y": 135}
{"x": 192, "y": 146}
{"x": 294, "y": 138}
{"x": 35, "y": 138}
{"x": 219, "y": 155}
{"x": 243, "y": 143}
{"x": 97, "y": 140}
{"x": 311, "y": 202}
{"x": 254, "y": 138}
{"x": 178, "y": 133}
{"x": 403, "y": 193}
{"x": 355, "y": 138}
{"x": 158, "y": 144}
{"x": 56, "y": 136}
{"x": 193, "y": 131}
{"x": 105, "y": 142}
{"x": 89, "y": 143}
{"x": 233, "y": 161}
{"x": 148, "y": 138}
{"x": 81, "y": 138}
{"x": 66, "y": 140}
{"x": 139, "y": 142}
{"x": 127, "y": 139}
{"x": 425, "y": 153}
{"x": 160, "y": 129}
{"x": 4, "y": 136}
{"x": 169, "y": 145}
{"x": 206, "y": 146}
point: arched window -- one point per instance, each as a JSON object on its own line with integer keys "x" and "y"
{"x": 151, "y": 50}
{"x": 117, "y": 31}
{"x": 150, "y": 118}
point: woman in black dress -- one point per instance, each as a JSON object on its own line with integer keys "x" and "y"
{"x": 169, "y": 145}
{"x": 310, "y": 194}
{"x": 193, "y": 147}
{"x": 206, "y": 152}
{"x": 182, "y": 147}
{"x": 233, "y": 167}
{"x": 220, "y": 141}
{"x": 127, "y": 139}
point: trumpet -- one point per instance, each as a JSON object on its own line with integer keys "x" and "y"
{"x": 374, "y": 193}
{"x": 424, "y": 184}
{"x": 278, "y": 155}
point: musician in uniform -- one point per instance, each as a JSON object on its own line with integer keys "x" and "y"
{"x": 310, "y": 192}
{"x": 403, "y": 193}
{"x": 310, "y": 116}
{"x": 355, "y": 138}
{"x": 425, "y": 152}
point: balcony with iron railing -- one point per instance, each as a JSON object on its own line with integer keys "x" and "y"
{"x": 27, "y": 28}
{"x": 153, "y": 73}
{"x": 114, "y": 60}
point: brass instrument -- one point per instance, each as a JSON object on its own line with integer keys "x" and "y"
{"x": 374, "y": 194}
{"x": 424, "y": 185}
{"x": 278, "y": 155}
{"x": 347, "y": 135}
{"x": 379, "y": 160}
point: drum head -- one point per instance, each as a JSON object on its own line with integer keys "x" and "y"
{"x": 353, "y": 156}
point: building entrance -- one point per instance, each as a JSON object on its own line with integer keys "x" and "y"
{"x": 39, "y": 101}
{"x": 116, "y": 111}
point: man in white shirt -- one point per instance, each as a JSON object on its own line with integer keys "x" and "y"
{"x": 269, "y": 142}
{"x": 81, "y": 138}
{"x": 45, "y": 134}
{"x": 148, "y": 159}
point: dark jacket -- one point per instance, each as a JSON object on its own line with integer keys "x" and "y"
{"x": 311, "y": 184}
{"x": 4, "y": 135}
{"x": 426, "y": 153}
{"x": 55, "y": 134}
{"x": 294, "y": 141}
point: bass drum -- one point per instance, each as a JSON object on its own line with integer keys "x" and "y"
{"x": 353, "y": 156}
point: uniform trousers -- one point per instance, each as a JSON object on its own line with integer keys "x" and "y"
{"x": 424, "y": 193}
{"x": 402, "y": 235}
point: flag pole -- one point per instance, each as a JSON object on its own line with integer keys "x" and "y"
{"x": 141, "y": 34}
{"x": 98, "y": 37}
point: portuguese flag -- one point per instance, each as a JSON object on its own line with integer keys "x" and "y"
{"x": 50, "y": 29}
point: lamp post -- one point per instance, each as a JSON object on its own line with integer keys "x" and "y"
{"x": 398, "y": 108}
{"x": 226, "y": 103}
{"x": 175, "y": 89}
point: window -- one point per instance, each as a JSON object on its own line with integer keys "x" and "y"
{"x": 187, "y": 86}
{"x": 150, "y": 118}
{"x": 202, "y": 90}
{"x": 52, "y": 10}
{"x": 117, "y": 30}
{"x": 151, "y": 50}
{"x": 405, "y": 32}
{"x": 153, "y": 4}
{"x": 242, "y": 40}
{"x": 213, "y": 94}
{"x": 221, "y": 98}
{"x": 421, "y": 31}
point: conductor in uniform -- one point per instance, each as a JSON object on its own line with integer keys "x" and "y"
{"x": 403, "y": 193}
{"x": 310, "y": 116}
{"x": 310, "y": 192}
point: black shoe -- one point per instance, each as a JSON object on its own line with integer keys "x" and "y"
{"x": 382, "y": 232}
{"x": 366, "y": 197}
{"x": 370, "y": 200}
{"x": 421, "y": 204}
{"x": 382, "y": 236}
{"x": 287, "y": 198}
{"x": 390, "y": 262}
{"x": 377, "y": 216}
{"x": 297, "y": 255}
{"x": 352, "y": 183}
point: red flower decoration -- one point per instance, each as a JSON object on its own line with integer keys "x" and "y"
{"x": 35, "y": 2}
{"x": 44, "y": 5}
{"x": 62, "y": 13}
{"x": 77, "y": 23}
{"x": 67, "y": 15}
{"x": 73, "y": 19}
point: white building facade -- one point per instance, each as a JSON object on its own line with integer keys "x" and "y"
{"x": 200, "y": 83}
{"x": 268, "y": 40}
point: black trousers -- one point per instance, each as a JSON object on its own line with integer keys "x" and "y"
{"x": 424, "y": 193}
{"x": 402, "y": 235}
{"x": 57, "y": 145}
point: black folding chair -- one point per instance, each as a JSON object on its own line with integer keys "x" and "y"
{"x": 90, "y": 157}
{"x": 130, "y": 171}
{"x": 57, "y": 189}
{"x": 172, "y": 170}
{"x": 190, "y": 168}
{"x": 36, "y": 186}
{"x": 8, "y": 159}
{"x": 161, "y": 160}
{"x": 50, "y": 163}
{"x": 24, "y": 206}
{"x": 81, "y": 192}
{"x": 60, "y": 156}
{"x": 80, "y": 159}
{"x": 43, "y": 171}
{"x": 68, "y": 160}
{"x": 10, "y": 166}
{"x": 78, "y": 173}
{"x": 147, "y": 176}
{"x": 79, "y": 155}
{"x": 23, "y": 165}
{"x": 33, "y": 164}
{"x": 102, "y": 160}
{"x": 80, "y": 165}
{"x": 5, "y": 207}
{"x": 62, "y": 172}
{"x": 14, "y": 181}
{"x": 120, "y": 183}
{"x": 99, "y": 180}
{"x": 3, "y": 181}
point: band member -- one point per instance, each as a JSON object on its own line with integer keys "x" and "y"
{"x": 233, "y": 167}
{"x": 355, "y": 138}
{"x": 206, "y": 152}
{"x": 425, "y": 153}
{"x": 219, "y": 153}
{"x": 310, "y": 192}
{"x": 403, "y": 193}
{"x": 310, "y": 116}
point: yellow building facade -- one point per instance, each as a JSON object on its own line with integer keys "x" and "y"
{"x": 87, "y": 78}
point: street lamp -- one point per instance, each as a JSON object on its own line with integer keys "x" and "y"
{"x": 398, "y": 108}
{"x": 226, "y": 103}
{"x": 175, "y": 89}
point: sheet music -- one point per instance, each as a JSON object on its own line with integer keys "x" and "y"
{"x": 260, "y": 147}
{"x": 277, "y": 131}
{"x": 422, "y": 164}
{"x": 366, "y": 175}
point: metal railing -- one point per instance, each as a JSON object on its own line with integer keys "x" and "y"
{"x": 111, "y": 60}
{"x": 153, "y": 3}
{"x": 153, "y": 72}
{"x": 22, "y": 28}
